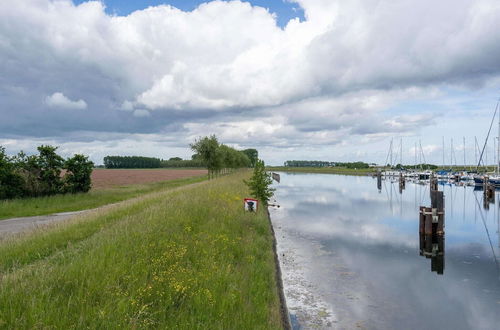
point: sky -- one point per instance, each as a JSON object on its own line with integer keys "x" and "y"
{"x": 296, "y": 79}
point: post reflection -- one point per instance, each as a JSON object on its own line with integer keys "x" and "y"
{"x": 432, "y": 247}
{"x": 431, "y": 229}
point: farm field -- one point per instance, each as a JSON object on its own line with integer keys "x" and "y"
{"x": 109, "y": 186}
{"x": 186, "y": 258}
{"x": 106, "y": 178}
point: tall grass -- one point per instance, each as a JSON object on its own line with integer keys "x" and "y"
{"x": 75, "y": 202}
{"x": 184, "y": 259}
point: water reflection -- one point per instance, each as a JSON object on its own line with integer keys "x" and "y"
{"x": 432, "y": 247}
{"x": 354, "y": 253}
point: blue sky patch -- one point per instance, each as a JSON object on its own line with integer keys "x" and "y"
{"x": 284, "y": 10}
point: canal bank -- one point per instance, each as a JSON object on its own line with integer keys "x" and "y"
{"x": 285, "y": 314}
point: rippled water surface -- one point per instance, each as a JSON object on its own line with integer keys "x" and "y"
{"x": 350, "y": 255}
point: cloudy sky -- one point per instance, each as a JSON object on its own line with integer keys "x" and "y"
{"x": 296, "y": 79}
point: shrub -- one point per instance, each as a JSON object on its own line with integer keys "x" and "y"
{"x": 40, "y": 175}
{"x": 11, "y": 183}
{"x": 50, "y": 165}
{"x": 260, "y": 182}
{"x": 77, "y": 177}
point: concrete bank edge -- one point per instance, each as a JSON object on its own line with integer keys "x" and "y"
{"x": 285, "y": 315}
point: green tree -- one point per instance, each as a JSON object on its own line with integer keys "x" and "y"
{"x": 50, "y": 165}
{"x": 208, "y": 149}
{"x": 11, "y": 183}
{"x": 77, "y": 178}
{"x": 28, "y": 168}
{"x": 253, "y": 156}
{"x": 260, "y": 183}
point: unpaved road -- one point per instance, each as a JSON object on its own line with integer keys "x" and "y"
{"x": 17, "y": 225}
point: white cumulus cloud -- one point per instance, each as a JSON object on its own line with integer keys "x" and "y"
{"x": 59, "y": 100}
{"x": 357, "y": 69}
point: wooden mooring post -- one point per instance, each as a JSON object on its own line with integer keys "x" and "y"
{"x": 431, "y": 219}
{"x": 433, "y": 182}
{"x": 437, "y": 205}
{"x": 379, "y": 180}
{"x": 402, "y": 183}
{"x": 488, "y": 191}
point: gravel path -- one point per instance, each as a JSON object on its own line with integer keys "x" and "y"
{"x": 17, "y": 225}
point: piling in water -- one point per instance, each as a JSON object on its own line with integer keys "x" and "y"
{"x": 379, "y": 180}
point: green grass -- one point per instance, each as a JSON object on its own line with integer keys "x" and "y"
{"x": 75, "y": 202}
{"x": 326, "y": 170}
{"x": 188, "y": 258}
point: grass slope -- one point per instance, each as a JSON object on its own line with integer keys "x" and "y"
{"x": 189, "y": 258}
{"x": 75, "y": 202}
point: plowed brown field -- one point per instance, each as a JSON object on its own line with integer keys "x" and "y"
{"x": 104, "y": 178}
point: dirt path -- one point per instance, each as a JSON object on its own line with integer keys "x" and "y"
{"x": 13, "y": 226}
{"x": 17, "y": 225}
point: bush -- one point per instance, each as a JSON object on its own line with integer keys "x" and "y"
{"x": 260, "y": 183}
{"x": 77, "y": 177}
{"x": 11, "y": 183}
{"x": 40, "y": 175}
{"x": 50, "y": 165}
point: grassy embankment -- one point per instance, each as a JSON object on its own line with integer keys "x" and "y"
{"x": 75, "y": 202}
{"x": 183, "y": 259}
{"x": 326, "y": 170}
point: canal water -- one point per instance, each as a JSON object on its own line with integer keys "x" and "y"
{"x": 350, "y": 255}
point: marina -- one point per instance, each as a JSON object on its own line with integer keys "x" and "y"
{"x": 355, "y": 256}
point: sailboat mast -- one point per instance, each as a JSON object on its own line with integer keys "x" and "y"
{"x": 486, "y": 156}
{"x": 464, "y": 154}
{"x": 401, "y": 152}
{"x": 451, "y": 151}
{"x": 443, "y": 152}
{"x": 495, "y": 155}
{"x": 475, "y": 151}
{"x": 415, "y": 155}
{"x": 498, "y": 147}
{"x": 391, "y": 151}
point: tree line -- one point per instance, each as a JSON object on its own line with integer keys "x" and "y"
{"x": 219, "y": 158}
{"x": 318, "y": 163}
{"x": 131, "y": 162}
{"x": 41, "y": 175}
{"x": 182, "y": 163}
